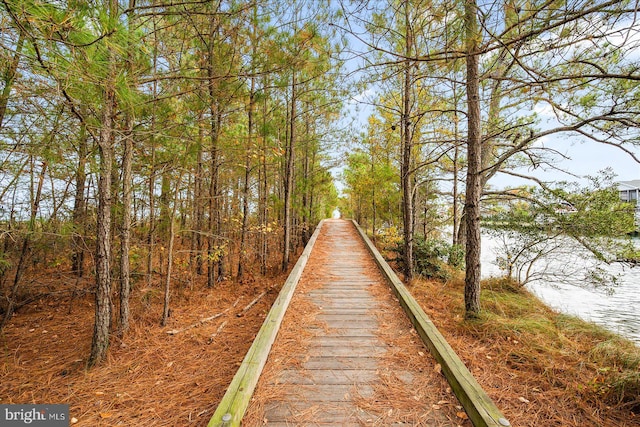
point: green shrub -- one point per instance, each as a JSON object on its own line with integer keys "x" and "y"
{"x": 432, "y": 255}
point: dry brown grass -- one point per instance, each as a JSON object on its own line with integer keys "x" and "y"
{"x": 540, "y": 367}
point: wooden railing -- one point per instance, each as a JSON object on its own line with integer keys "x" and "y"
{"x": 478, "y": 405}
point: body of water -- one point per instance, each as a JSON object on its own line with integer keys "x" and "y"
{"x": 561, "y": 285}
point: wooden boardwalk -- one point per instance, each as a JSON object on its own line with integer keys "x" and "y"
{"x": 346, "y": 353}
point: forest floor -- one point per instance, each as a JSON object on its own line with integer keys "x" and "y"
{"x": 540, "y": 367}
{"x": 150, "y": 377}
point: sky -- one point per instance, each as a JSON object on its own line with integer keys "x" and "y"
{"x": 585, "y": 158}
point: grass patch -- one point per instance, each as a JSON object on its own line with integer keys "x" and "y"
{"x": 540, "y": 366}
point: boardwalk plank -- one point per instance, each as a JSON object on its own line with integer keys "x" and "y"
{"x": 327, "y": 393}
{"x": 359, "y": 351}
{"x": 346, "y": 341}
{"x": 336, "y": 414}
{"x": 329, "y": 376}
{"x": 344, "y": 362}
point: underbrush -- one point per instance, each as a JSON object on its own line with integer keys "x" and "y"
{"x": 540, "y": 366}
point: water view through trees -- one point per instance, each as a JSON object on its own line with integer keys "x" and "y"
{"x": 559, "y": 280}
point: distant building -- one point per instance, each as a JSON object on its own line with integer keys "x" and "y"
{"x": 630, "y": 192}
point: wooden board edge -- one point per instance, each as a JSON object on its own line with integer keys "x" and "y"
{"x": 481, "y": 410}
{"x": 236, "y": 399}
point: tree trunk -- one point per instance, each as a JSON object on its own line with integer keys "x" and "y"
{"x": 407, "y": 191}
{"x": 151, "y": 237}
{"x": 197, "y": 200}
{"x": 125, "y": 235}
{"x": 288, "y": 177}
{"x": 474, "y": 154}
{"x": 245, "y": 189}
{"x": 264, "y": 189}
{"x": 167, "y": 280}
{"x": 306, "y": 179}
{"x": 164, "y": 201}
{"x": 172, "y": 238}
{"x": 456, "y": 169}
{"x": 373, "y": 195}
{"x": 77, "y": 259}
{"x": 456, "y": 217}
{"x": 152, "y": 175}
{"x": 100, "y": 341}
{"x": 213, "y": 255}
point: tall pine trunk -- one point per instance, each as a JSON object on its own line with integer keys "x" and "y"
{"x": 264, "y": 190}
{"x": 288, "y": 177}
{"x": 474, "y": 154}
{"x": 406, "y": 174}
{"x": 151, "y": 239}
{"x": 214, "y": 256}
{"x": 151, "y": 232}
{"x": 125, "y": 233}
{"x": 79, "y": 215}
{"x": 100, "y": 340}
{"x": 198, "y": 198}
{"x": 242, "y": 258}
{"x": 172, "y": 238}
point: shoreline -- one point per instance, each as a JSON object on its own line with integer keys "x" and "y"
{"x": 541, "y": 367}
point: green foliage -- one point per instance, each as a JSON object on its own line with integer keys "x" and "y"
{"x": 5, "y": 263}
{"x": 432, "y": 258}
{"x": 628, "y": 252}
{"x": 390, "y": 238}
{"x": 456, "y": 256}
{"x": 372, "y": 180}
{"x": 566, "y": 220}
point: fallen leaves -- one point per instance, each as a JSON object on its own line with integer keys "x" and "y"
{"x": 462, "y": 415}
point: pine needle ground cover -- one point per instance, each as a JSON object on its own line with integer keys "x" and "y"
{"x": 539, "y": 366}
{"x": 150, "y": 378}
